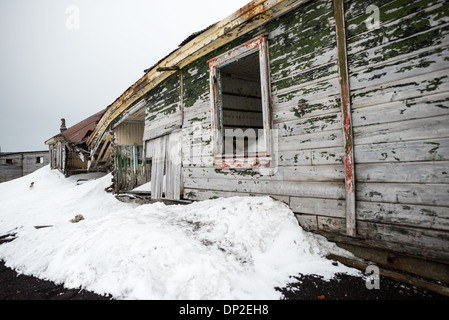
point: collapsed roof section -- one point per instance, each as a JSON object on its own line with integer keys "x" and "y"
{"x": 80, "y": 132}
{"x": 254, "y": 14}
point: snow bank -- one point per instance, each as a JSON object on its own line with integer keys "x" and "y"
{"x": 234, "y": 248}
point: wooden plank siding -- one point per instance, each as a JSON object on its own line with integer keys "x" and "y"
{"x": 400, "y": 100}
{"x": 130, "y": 168}
{"x": 306, "y": 112}
{"x": 163, "y": 113}
{"x": 399, "y": 96}
{"x": 16, "y": 165}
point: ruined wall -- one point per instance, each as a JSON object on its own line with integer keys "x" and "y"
{"x": 129, "y": 133}
{"x": 16, "y": 165}
{"x": 399, "y": 89}
{"x": 75, "y": 164}
{"x": 306, "y": 111}
{"x": 128, "y": 154}
{"x": 399, "y": 97}
{"x": 34, "y": 161}
{"x": 10, "y": 167}
{"x": 163, "y": 113}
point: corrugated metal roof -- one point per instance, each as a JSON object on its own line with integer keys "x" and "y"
{"x": 81, "y": 131}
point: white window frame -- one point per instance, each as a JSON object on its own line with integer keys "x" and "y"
{"x": 221, "y": 160}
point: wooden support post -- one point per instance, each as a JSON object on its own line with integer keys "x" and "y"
{"x": 347, "y": 119}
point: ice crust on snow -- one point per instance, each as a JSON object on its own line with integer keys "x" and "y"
{"x": 226, "y": 248}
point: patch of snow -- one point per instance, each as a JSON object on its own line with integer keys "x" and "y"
{"x": 233, "y": 248}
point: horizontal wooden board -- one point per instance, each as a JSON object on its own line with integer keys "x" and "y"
{"x": 197, "y": 161}
{"x": 413, "y": 172}
{"x": 328, "y": 190}
{"x": 429, "y": 217}
{"x": 292, "y": 173}
{"x": 242, "y": 119}
{"x": 295, "y": 158}
{"x": 309, "y": 125}
{"x": 309, "y": 33}
{"x": 403, "y": 151}
{"x": 426, "y": 128}
{"x": 425, "y": 28}
{"x": 286, "y": 64}
{"x": 412, "y": 240}
{"x": 428, "y": 83}
{"x": 300, "y": 76}
{"x": 414, "y": 108}
{"x": 404, "y": 193}
{"x": 200, "y": 195}
{"x": 331, "y": 224}
{"x": 307, "y": 222}
{"x": 318, "y": 206}
{"x": 164, "y": 127}
{"x": 331, "y": 138}
{"x": 409, "y": 66}
{"x": 428, "y": 243}
{"x": 330, "y": 155}
{"x": 302, "y": 108}
{"x": 231, "y": 85}
{"x": 392, "y": 15}
{"x": 241, "y": 102}
{"x": 311, "y": 91}
{"x": 320, "y": 156}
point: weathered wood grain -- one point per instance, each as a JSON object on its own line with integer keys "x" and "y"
{"x": 200, "y": 195}
{"x": 318, "y": 206}
{"x": 420, "y": 242}
{"x": 330, "y": 190}
{"x": 424, "y": 241}
{"x": 309, "y": 125}
{"x": 303, "y": 107}
{"x": 404, "y": 151}
{"x": 413, "y": 172}
{"x": 404, "y": 193}
{"x": 429, "y": 217}
{"x": 418, "y": 129}
{"x": 331, "y": 138}
{"x": 414, "y": 108}
{"x": 290, "y": 173}
{"x": 401, "y": 90}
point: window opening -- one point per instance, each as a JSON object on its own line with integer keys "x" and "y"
{"x": 241, "y": 119}
{"x": 240, "y": 103}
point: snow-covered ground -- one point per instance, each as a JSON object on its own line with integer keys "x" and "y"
{"x": 234, "y": 248}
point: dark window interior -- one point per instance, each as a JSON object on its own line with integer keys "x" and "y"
{"x": 241, "y": 118}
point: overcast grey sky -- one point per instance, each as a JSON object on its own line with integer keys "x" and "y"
{"x": 70, "y": 59}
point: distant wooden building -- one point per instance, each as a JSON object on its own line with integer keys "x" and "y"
{"x": 18, "y": 164}
{"x": 340, "y": 110}
{"x": 68, "y": 150}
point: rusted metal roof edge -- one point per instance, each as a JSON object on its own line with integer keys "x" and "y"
{"x": 82, "y": 127}
{"x": 213, "y": 37}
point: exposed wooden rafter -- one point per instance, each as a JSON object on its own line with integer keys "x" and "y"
{"x": 216, "y": 36}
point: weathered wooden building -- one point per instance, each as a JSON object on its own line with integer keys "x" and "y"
{"x": 68, "y": 150}
{"x": 18, "y": 164}
{"x": 338, "y": 109}
{"x": 131, "y": 167}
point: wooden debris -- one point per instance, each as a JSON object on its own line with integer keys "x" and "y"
{"x": 77, "y": 218}
{"x": 41, "y": 227}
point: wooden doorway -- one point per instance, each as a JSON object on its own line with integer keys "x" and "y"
{"x": 165, "y": 155}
